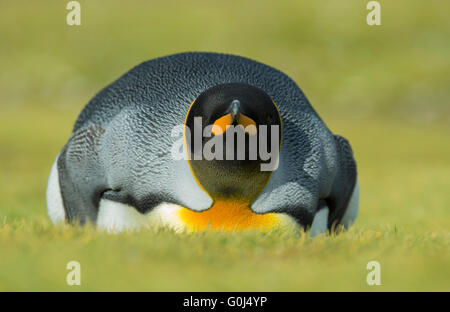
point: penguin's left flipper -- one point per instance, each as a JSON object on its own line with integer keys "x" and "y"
{"x": 320, "y": 222}
{"x": 81, "y": 177}
{"x": 288, "y": 191}
{"x": 343, "y": 200}
{"x": 301, "y": 196}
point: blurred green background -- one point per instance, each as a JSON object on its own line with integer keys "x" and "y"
{"x": 385, "y": 88}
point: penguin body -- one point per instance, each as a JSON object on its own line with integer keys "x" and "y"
{"x": 118, "y": 164}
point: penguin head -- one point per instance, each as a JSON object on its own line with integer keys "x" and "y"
{"x": 232, "y": 131}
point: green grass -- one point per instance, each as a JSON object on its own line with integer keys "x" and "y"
{"x": 385, "y": 89}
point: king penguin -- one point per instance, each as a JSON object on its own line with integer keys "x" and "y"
{"x": 118, "y": 170}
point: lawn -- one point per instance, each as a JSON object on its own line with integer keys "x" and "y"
{"x": 384, "y": 87}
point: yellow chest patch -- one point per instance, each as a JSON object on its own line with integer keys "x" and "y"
{"x": 229, "y": 215}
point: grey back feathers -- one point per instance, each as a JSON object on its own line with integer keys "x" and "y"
{"x": 121, "y": 143}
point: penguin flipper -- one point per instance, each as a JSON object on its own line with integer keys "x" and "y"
{"x": 291, "y": 198}
{"x": 345, "y": 190}
{"x": 320, "y": 222}
{"x": 81, "y": 177}
{"x": 289, "y": 192}
{"x": 186, "y": 191}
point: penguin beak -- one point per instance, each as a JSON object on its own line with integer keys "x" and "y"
{"x": 235, "y": 118}
{"x": 235, "y": 112}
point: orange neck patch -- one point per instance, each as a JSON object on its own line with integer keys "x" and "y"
{"x": 223, "y": 122}
{"x": 228, "y": 215}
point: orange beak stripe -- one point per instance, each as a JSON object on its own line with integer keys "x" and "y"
{"x": 220, "y": 125}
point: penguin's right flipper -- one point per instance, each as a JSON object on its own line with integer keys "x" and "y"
{"x": 81, "y": 178}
